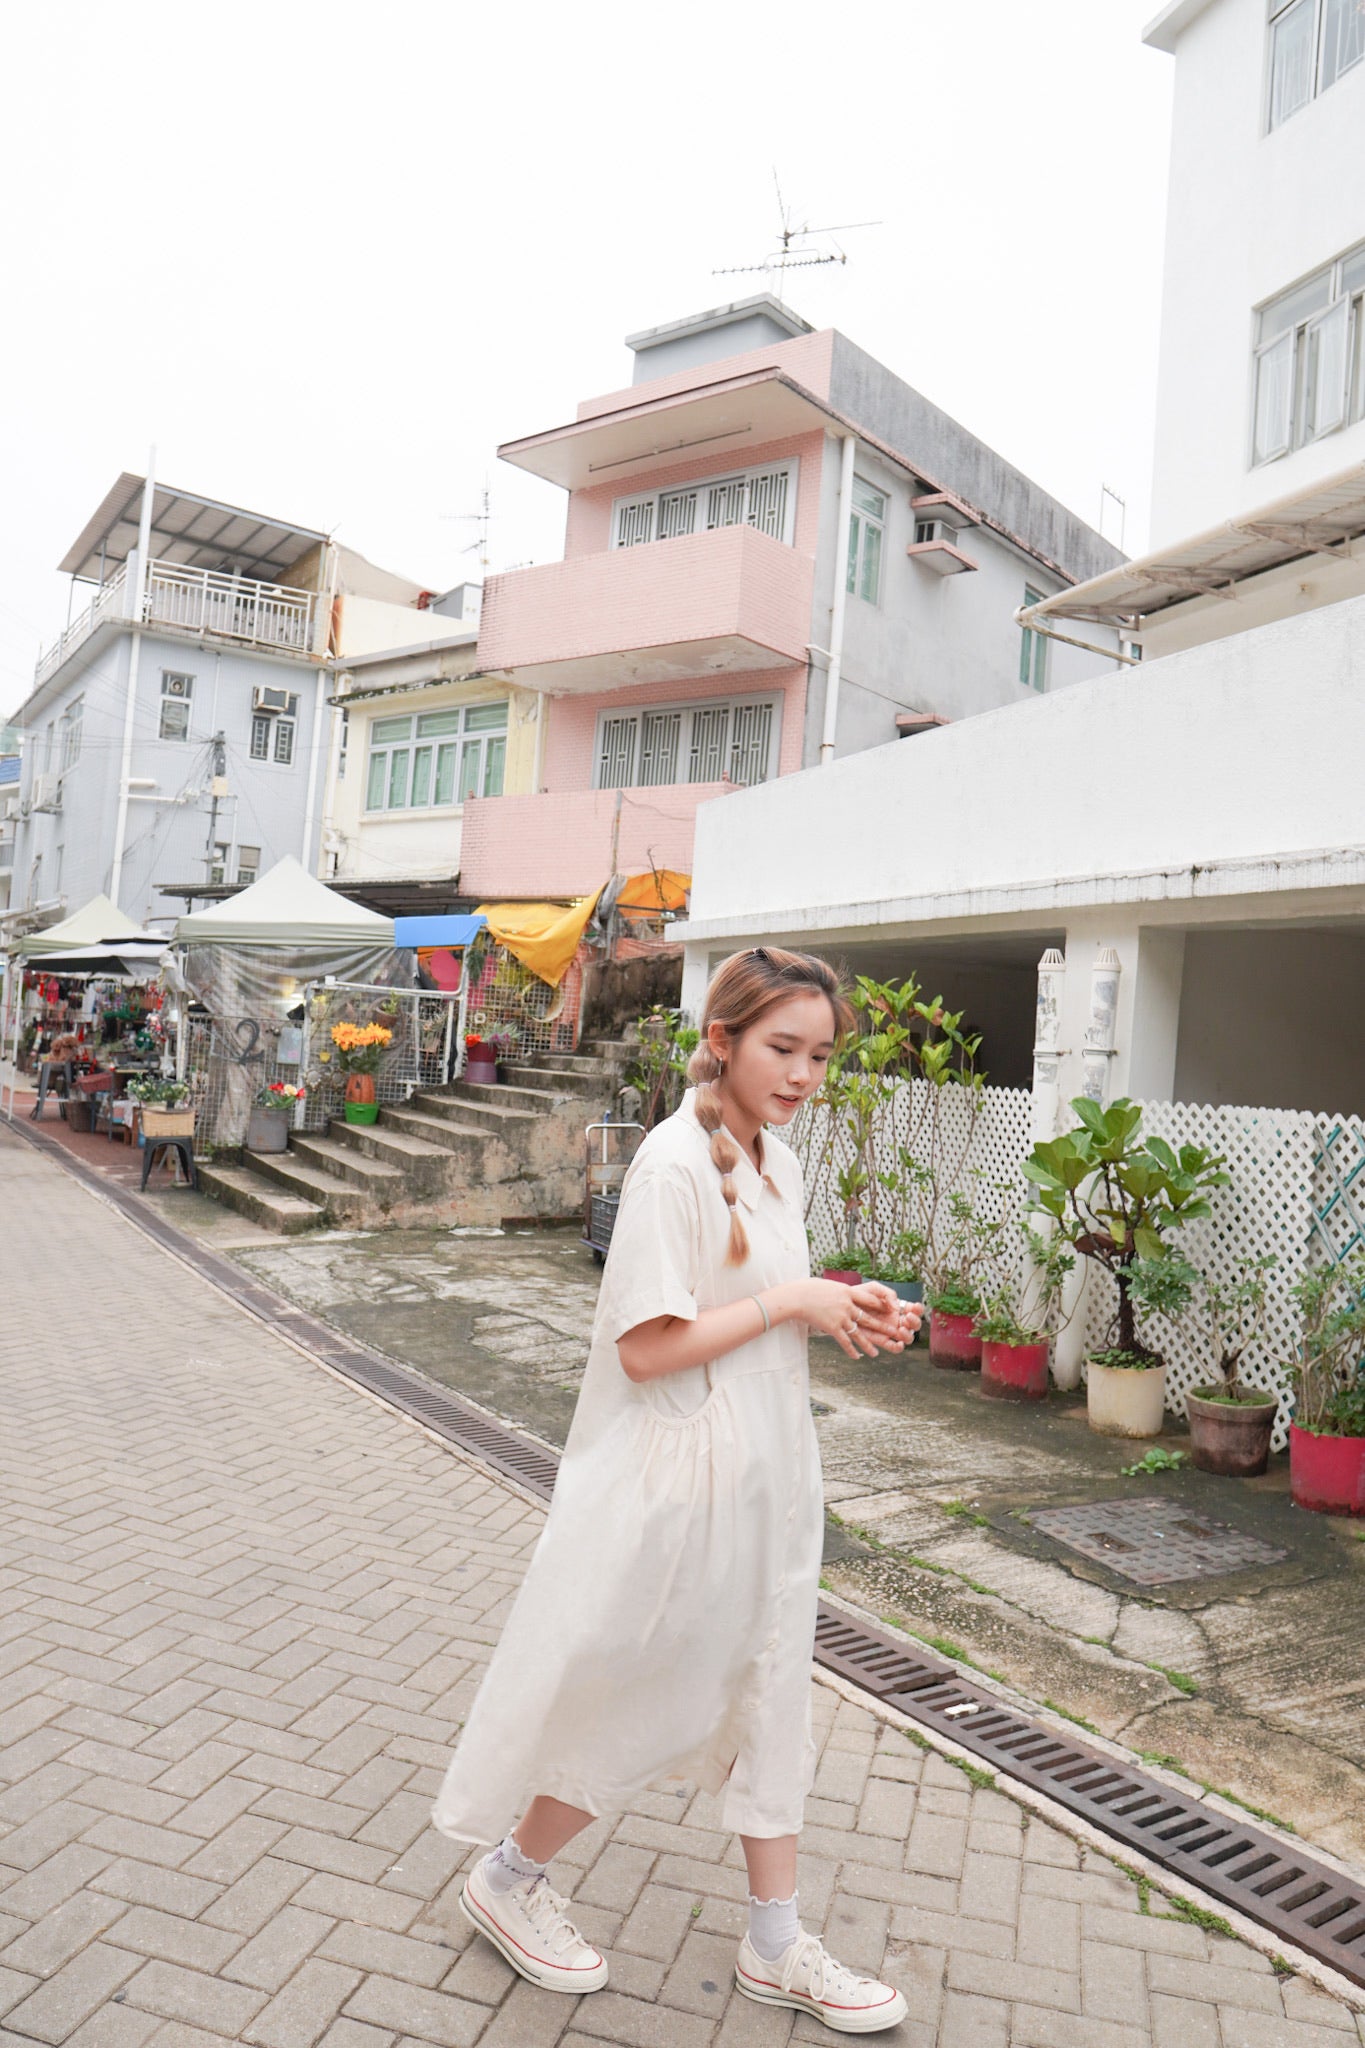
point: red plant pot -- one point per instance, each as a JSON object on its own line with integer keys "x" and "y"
{"x": 482, "y": 1071}
{"x": 844, "y": 1273}
{"x": 360, "y": 1088}
{"x": 1327, "y": 1473}
{"x": 1014, "y": 1372}
{"x": 953, "y": 1343}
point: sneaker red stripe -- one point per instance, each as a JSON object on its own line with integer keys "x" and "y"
{"x": 543, "y": 1962}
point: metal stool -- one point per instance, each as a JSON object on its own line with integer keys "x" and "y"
{"x": 183, "y": 1146}
{"x": 49, "y": 1073}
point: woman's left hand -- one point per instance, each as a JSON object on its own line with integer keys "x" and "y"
{"x": 881, "y": 1320}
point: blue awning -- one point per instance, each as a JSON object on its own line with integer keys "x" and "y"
{"x": 437, "y": 931}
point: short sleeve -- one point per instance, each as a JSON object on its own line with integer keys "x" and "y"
{"x": 652, "y": 1266}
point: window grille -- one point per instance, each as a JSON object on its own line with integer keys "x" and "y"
{"x": 751, "y": 743}
{"x": 660, "y": 737}
{"x": 764, "y": 498}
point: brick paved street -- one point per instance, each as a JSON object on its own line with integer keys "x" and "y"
{"x": 242, "y": 1610}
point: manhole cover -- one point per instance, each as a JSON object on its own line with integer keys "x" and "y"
{"x": 1153, "y": 1542}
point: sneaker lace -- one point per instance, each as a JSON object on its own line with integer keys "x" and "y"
{"x": 545, "y": 1909}
{"x": 825, "y": 1975}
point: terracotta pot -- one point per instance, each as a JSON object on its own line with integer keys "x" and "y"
{"x": 362, "y": 1112}
{"x": 1014, "y": 1372}
{"x": 1125, "y": 1400}
{"x": 267, "y": 1130}
{"x": 1327, "y": 1473}
{"x": 953, "y": 1343}
{"x": 360, "y": 1088}
{"x": 1229, "y": 1437}
{"x": 483, "y": 1072}
{"x": 846, "y": 1274}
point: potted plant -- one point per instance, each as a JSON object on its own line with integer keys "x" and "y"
{"x": 954, "y": 1279}
{"x": 267, "y": 1127}
{"x": 1117, "y": 1197}
{"x": 1018, "y": 1323}
{"x": 480, "y": 1061}
{"x": 901, "y": 1266}
{"x": 164, "y": 1106}
{"x": 1327, "y": 1435}
{"x": 1230, "y": 1421}
{"x": 360, "y": 1048}
{"x": 503, "y": 1044}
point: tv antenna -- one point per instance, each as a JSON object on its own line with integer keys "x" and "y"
{"x": 798, "y": 247}
{"x": 483, "y": 520}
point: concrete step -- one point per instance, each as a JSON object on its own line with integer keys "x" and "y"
{"x": 509, "y": 1119}
{"x": 342, "y": 1201}
{"x": 442, "y": 1133}
{"x": 239, "y": 1188}
{"x": 565, "y": 1080}
{"x": 572, "y": 1062}
{"x": 405, "y": 1150}
{"x": 345, "y": 1162}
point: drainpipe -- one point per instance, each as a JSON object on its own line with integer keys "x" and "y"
{"x": 310, "y": 802}
{"x": 842, "y": 523}
{"x": 538, "y": 764}
{"x": 135, "y": 597}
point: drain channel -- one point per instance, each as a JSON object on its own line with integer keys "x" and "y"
{"x": 1297, "y": 1897}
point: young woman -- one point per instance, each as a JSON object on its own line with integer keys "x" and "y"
{"x": 665, "y": 1626}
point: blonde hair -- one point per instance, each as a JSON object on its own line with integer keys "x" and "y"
{"x": 743, "y": 989}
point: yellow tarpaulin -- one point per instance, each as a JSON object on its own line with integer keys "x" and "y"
{"x": 543, "y": 936}
{"x": 659, "y": 889}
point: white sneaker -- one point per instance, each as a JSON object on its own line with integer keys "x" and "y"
{"x": 810, "y": 1980}
{"x": 529, "y": 1926}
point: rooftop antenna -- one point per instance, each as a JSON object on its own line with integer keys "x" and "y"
{"x": 482, "y": 519}
{"x": 798, "y": 248}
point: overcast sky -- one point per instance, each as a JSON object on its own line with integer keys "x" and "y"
{"x": 327, "y": 258}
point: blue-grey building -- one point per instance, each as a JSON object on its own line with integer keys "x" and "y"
{"x": 176, "y": 732}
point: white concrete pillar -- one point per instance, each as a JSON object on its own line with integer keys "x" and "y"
{"x": 1047, "y": 1047}
{"x": 1098, "y": 1046}
{"x": 1153, "y": 1030}
{"x": 696, "y": 974}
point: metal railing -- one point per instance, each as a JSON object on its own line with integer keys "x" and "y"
{"x": 197, "y": 601}
{"x": 108, "y": 602}
{"x": 230, "y": 607}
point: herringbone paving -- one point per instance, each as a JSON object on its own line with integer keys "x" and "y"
{"x": 242, "y": 1611}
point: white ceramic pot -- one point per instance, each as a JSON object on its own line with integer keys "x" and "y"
{"x": 1123, "y": 1402}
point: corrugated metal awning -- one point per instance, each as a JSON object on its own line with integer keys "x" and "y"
{"x": 197, "y": 533}
{"x": 1320, "y": 519}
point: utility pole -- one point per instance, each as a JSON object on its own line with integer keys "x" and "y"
{"x": 217, "y": 790}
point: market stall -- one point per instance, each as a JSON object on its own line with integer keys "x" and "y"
{"x": 61, "y": 983}
{"x": 257, "y": 965}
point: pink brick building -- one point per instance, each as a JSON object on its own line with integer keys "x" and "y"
{"x": 776, "y": 553}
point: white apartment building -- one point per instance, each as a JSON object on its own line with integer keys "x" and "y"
{"x": 1195, "y": 819}
{"x": 1262, "y": 380}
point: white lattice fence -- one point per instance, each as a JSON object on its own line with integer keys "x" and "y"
{"x": 1339, "y": 1187}
{"x": 981, "y": 1138}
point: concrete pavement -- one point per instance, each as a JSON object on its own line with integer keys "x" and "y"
{"x": 242, "y": 1610}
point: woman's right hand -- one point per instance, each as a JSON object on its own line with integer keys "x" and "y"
{"x": 863, "y": 1320}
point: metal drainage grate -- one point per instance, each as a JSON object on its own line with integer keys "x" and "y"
{"x": 1154, "y": 1542}
{"x": 1308, "y": 1903}
{"x": 1300, "y": 1899}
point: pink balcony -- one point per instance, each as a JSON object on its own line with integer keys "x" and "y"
{"x": 724, "y": 601}
{"x": 561, "y": 843}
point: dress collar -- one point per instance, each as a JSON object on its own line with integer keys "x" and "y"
{"x": 749, "y": 1182}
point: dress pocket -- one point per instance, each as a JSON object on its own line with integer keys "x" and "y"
{"x": 680, "y": 1398}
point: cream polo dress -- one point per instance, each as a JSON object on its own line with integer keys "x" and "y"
{"x": 666, "y": 1624}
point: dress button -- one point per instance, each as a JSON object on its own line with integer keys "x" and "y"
{"x": 771, "y": 1643}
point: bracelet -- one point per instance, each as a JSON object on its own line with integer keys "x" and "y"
{"x": 762, "y": 1309}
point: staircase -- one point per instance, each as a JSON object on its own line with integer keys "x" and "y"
{"x": 463, "y": 1153}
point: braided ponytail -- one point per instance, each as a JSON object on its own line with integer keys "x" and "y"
{"x": 741, "y": 991}
{"x": 704, "y": 1068}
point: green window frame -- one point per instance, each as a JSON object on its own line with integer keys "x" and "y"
{"x": 866, "y": 533}
{"x": 1032, "y": 648}
{"x": 434, "y": 760}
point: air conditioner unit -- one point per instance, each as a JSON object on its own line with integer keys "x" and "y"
{"x": 266, "y": 699}
{"x": 932, "y": 530}
{"x": 47, "y": 793}
{"x": 176, "y": 686}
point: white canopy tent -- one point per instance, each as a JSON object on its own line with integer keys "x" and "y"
{"x": 250, "y": 961}
{"x": 98, "y": 919}
{"x": 287, "y": 907}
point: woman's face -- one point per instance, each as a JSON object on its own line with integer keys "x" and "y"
{"x": 779, "y": 1061}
